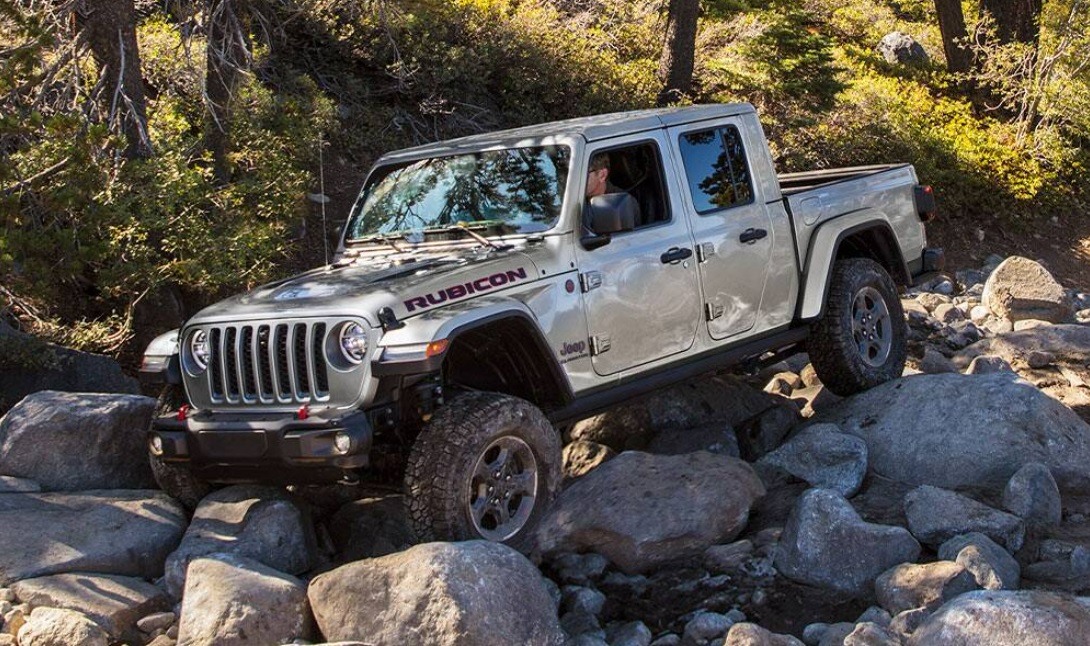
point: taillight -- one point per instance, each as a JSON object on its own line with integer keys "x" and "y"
{"x": 925, "y": 203}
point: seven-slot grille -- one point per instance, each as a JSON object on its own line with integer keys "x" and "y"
{"x": 268, "y": 363}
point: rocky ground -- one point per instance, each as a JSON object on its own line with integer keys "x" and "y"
{"x": 949, "y": 507}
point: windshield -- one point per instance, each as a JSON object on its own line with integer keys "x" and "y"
{"x": 516, "y": 190}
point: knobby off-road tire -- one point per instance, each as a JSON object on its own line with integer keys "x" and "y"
{"x": 176, "y": 480}
{"x": 486, "y": 466}
{"x": 860, "y": 340}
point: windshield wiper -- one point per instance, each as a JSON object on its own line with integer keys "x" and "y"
{"x": 467, "y": 228}
{"x": 381, "y": 237}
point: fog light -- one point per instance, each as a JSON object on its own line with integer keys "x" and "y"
{"x": 342, "y": 442}
{"x": 155, "y": 445}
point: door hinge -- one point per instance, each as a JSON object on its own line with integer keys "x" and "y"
{"x": 590, "y": 280}
{"x": 599, "y": 345}
{"x": 712, "y": 311}
{"x": 705, "y": 250}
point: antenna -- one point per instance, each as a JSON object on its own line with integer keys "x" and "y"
{"x": 324, "y": 198}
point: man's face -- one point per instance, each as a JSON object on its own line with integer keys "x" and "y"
{"x": 596, "y": 182}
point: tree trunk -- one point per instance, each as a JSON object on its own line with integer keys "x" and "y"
{"x": 959, "y": 59}
{"x": 109, "y": 27}
{"x": 678, "y": 51}
{"x": 1016, "y": 21}
{"x": 227, "y": 55}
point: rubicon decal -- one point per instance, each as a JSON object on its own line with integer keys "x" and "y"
{"x": 455, "y": 292}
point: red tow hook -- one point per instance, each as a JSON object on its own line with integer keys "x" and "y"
{"x": 303, "y": 412}
{"x": 183, "y": 412}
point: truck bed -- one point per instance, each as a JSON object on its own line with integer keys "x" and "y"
{"x": 792, "y": 183}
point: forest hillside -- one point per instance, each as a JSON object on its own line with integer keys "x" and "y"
{"x": 157, "y": 155}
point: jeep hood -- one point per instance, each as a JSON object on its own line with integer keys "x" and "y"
{"x": 362, "y": 287}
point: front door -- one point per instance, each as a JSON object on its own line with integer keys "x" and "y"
{"x": 731, "y": 225}
{"x": 640, "y": 291}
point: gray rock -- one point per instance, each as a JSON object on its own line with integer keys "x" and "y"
{"x": 77, "y": 442}
{"x": 949, "y": 313}
{"x": 767, "y": 431}
{"x": 835, "y": 634}
{"x": 925, "y": 585}
{"x": 621, "y": 428}
{"x": 667, "y": 640}
{"x": 1020, "y": 288}
{"x": 934, "y": 363}
{"x": 586, "y": 640}
{"x": 9, "y": 484}
{"x": 1002, "y": 423}
{"x": 985, "y": 364}
{"x": 813, "y": 633}
{"x": 905, "y": 623}
{"x": 52, "y": 367}
{"x": 1069, "y": 573}
{"x": 580, "y": 623}
{"x": 814, "y": 546}
{"x": 633, "y": 633}
{"x": 1030, "y": 324}
{"x": 992, "y": 567}
{"x": 875, "y": 615}
{"x": 936, "y": 515}
{"x": 260, "y": 523}
{"x": 581, "y": 457}
{"x": 640, "y": 510}
{"x": 725, "y": 558}
{"x": 230, "y": 600}
{"x": 870, "y": 634}
{"x": 456, "y": 593}
{"x": 370, "y": 527}
{"x": 576, "y": 598}
{"x": 1033, "y": 496}
{"x": 579, "y": 569}
{"x": 110, "y": 532}
{"x": 1006, "y": 618}
{"x": 824, "y": 457}
{"x": 114, "y": 602}
{"x": 156, "y": 621}
{"x": 747, "y": 634}
{"x": 706, "y": 626}
{"x": 722, "y": 399}
{"x": 713, "y": 438}
{"x": 60, "y": 627}
{"x": 1040, "y": 359}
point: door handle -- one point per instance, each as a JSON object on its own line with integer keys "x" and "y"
{"x": 752, "y": 235}
{"x": 674, "y": 255}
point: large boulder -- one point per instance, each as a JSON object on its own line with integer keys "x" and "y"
{"x": 109, "y": 532}
{"x": 1021, "y": 288}
{"x": 77, "y": 442}
{"x": 261, "y": 523}
{"x": 114, "y": 602}
{"x": 826, "y": 544}
{"x": 29, "y": 365}
{"x": 441, "y": 594}
{"x": 230, "y": 600}
{"x": 824, "y": 457}
{"x": 1007, "y": 618}
{"x": 61, "y": 627}
{"x": 722, "y": 399}
{"x": 957, "y": 431}
{"x": 1068, "y": 344}
{"x": 642, "y": 510}
{"x": 936, "y": 515}
{"x": 900, "y": 48}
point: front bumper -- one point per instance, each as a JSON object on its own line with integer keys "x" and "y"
{"x": 278, "y": 449}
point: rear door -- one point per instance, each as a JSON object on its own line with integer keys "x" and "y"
{"x": 731, "y": 225}
{"x": 640, "y": 291}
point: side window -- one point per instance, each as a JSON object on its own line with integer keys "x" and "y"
{"x": 637, "y": 170}
{"x": 715, "y": 165}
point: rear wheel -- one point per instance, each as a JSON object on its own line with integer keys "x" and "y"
{"x": 860, "y": 340}
{"x": 176, "y": 480}
{"x": 486, "y": 466}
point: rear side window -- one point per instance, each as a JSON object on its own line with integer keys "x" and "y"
{"x": 715, "y": 166}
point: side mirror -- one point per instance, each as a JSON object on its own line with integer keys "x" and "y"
{"x": 612, "y": 213}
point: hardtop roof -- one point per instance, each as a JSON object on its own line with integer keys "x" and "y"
{"x": 592, "y": 128}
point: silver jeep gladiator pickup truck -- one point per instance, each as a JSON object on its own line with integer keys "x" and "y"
{"x": 490, "y": 289}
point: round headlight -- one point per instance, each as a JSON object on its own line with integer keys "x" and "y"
{"x": 353, "y": 342}
{"x": 199, "y": 351}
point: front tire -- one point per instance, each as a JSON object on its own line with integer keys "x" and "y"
{"x": 176, "y": 480}
{"x": 860, "y": 340}
{"x": 486, "y": 466}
